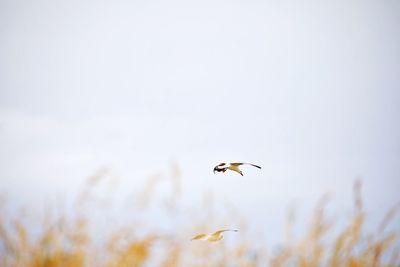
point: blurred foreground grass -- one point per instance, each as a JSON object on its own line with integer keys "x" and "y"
{"x": 68, "y": 239}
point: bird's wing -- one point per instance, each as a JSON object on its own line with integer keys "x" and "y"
{"x": 242, "y": 163}
{"x": 225, "y": 230}
{"x": 200, "y": 236}
{"x": 254, "y": 165}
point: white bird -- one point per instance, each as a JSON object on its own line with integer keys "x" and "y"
{"x": 212, "y": 237}
{"x": 222, "y": 167}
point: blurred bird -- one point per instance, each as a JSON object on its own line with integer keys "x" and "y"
{"x": 212, "y": 237}
{"x": 222, "y": 167}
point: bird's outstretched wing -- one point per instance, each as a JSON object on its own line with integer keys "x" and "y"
{"x": 254, "y": 165}
{"x": 241, "y": 163}
{"x": 225, "y": 230}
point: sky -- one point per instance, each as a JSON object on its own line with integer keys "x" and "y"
{"x": 309, "y": 90}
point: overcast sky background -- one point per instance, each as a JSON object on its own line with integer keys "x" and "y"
{"x": 309, "y": 90}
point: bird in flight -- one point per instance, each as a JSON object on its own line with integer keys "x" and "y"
{"x": 212, "y": 237}
{"x": 222, "y": 167}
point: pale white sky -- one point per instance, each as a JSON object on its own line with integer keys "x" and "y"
{"x": 309, "y": 90}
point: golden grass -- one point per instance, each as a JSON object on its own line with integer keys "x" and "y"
{"x": 64, "y": 241}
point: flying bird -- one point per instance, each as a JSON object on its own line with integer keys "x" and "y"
{"x": 212, "y": 237}
{"x": 222, "y": 167}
